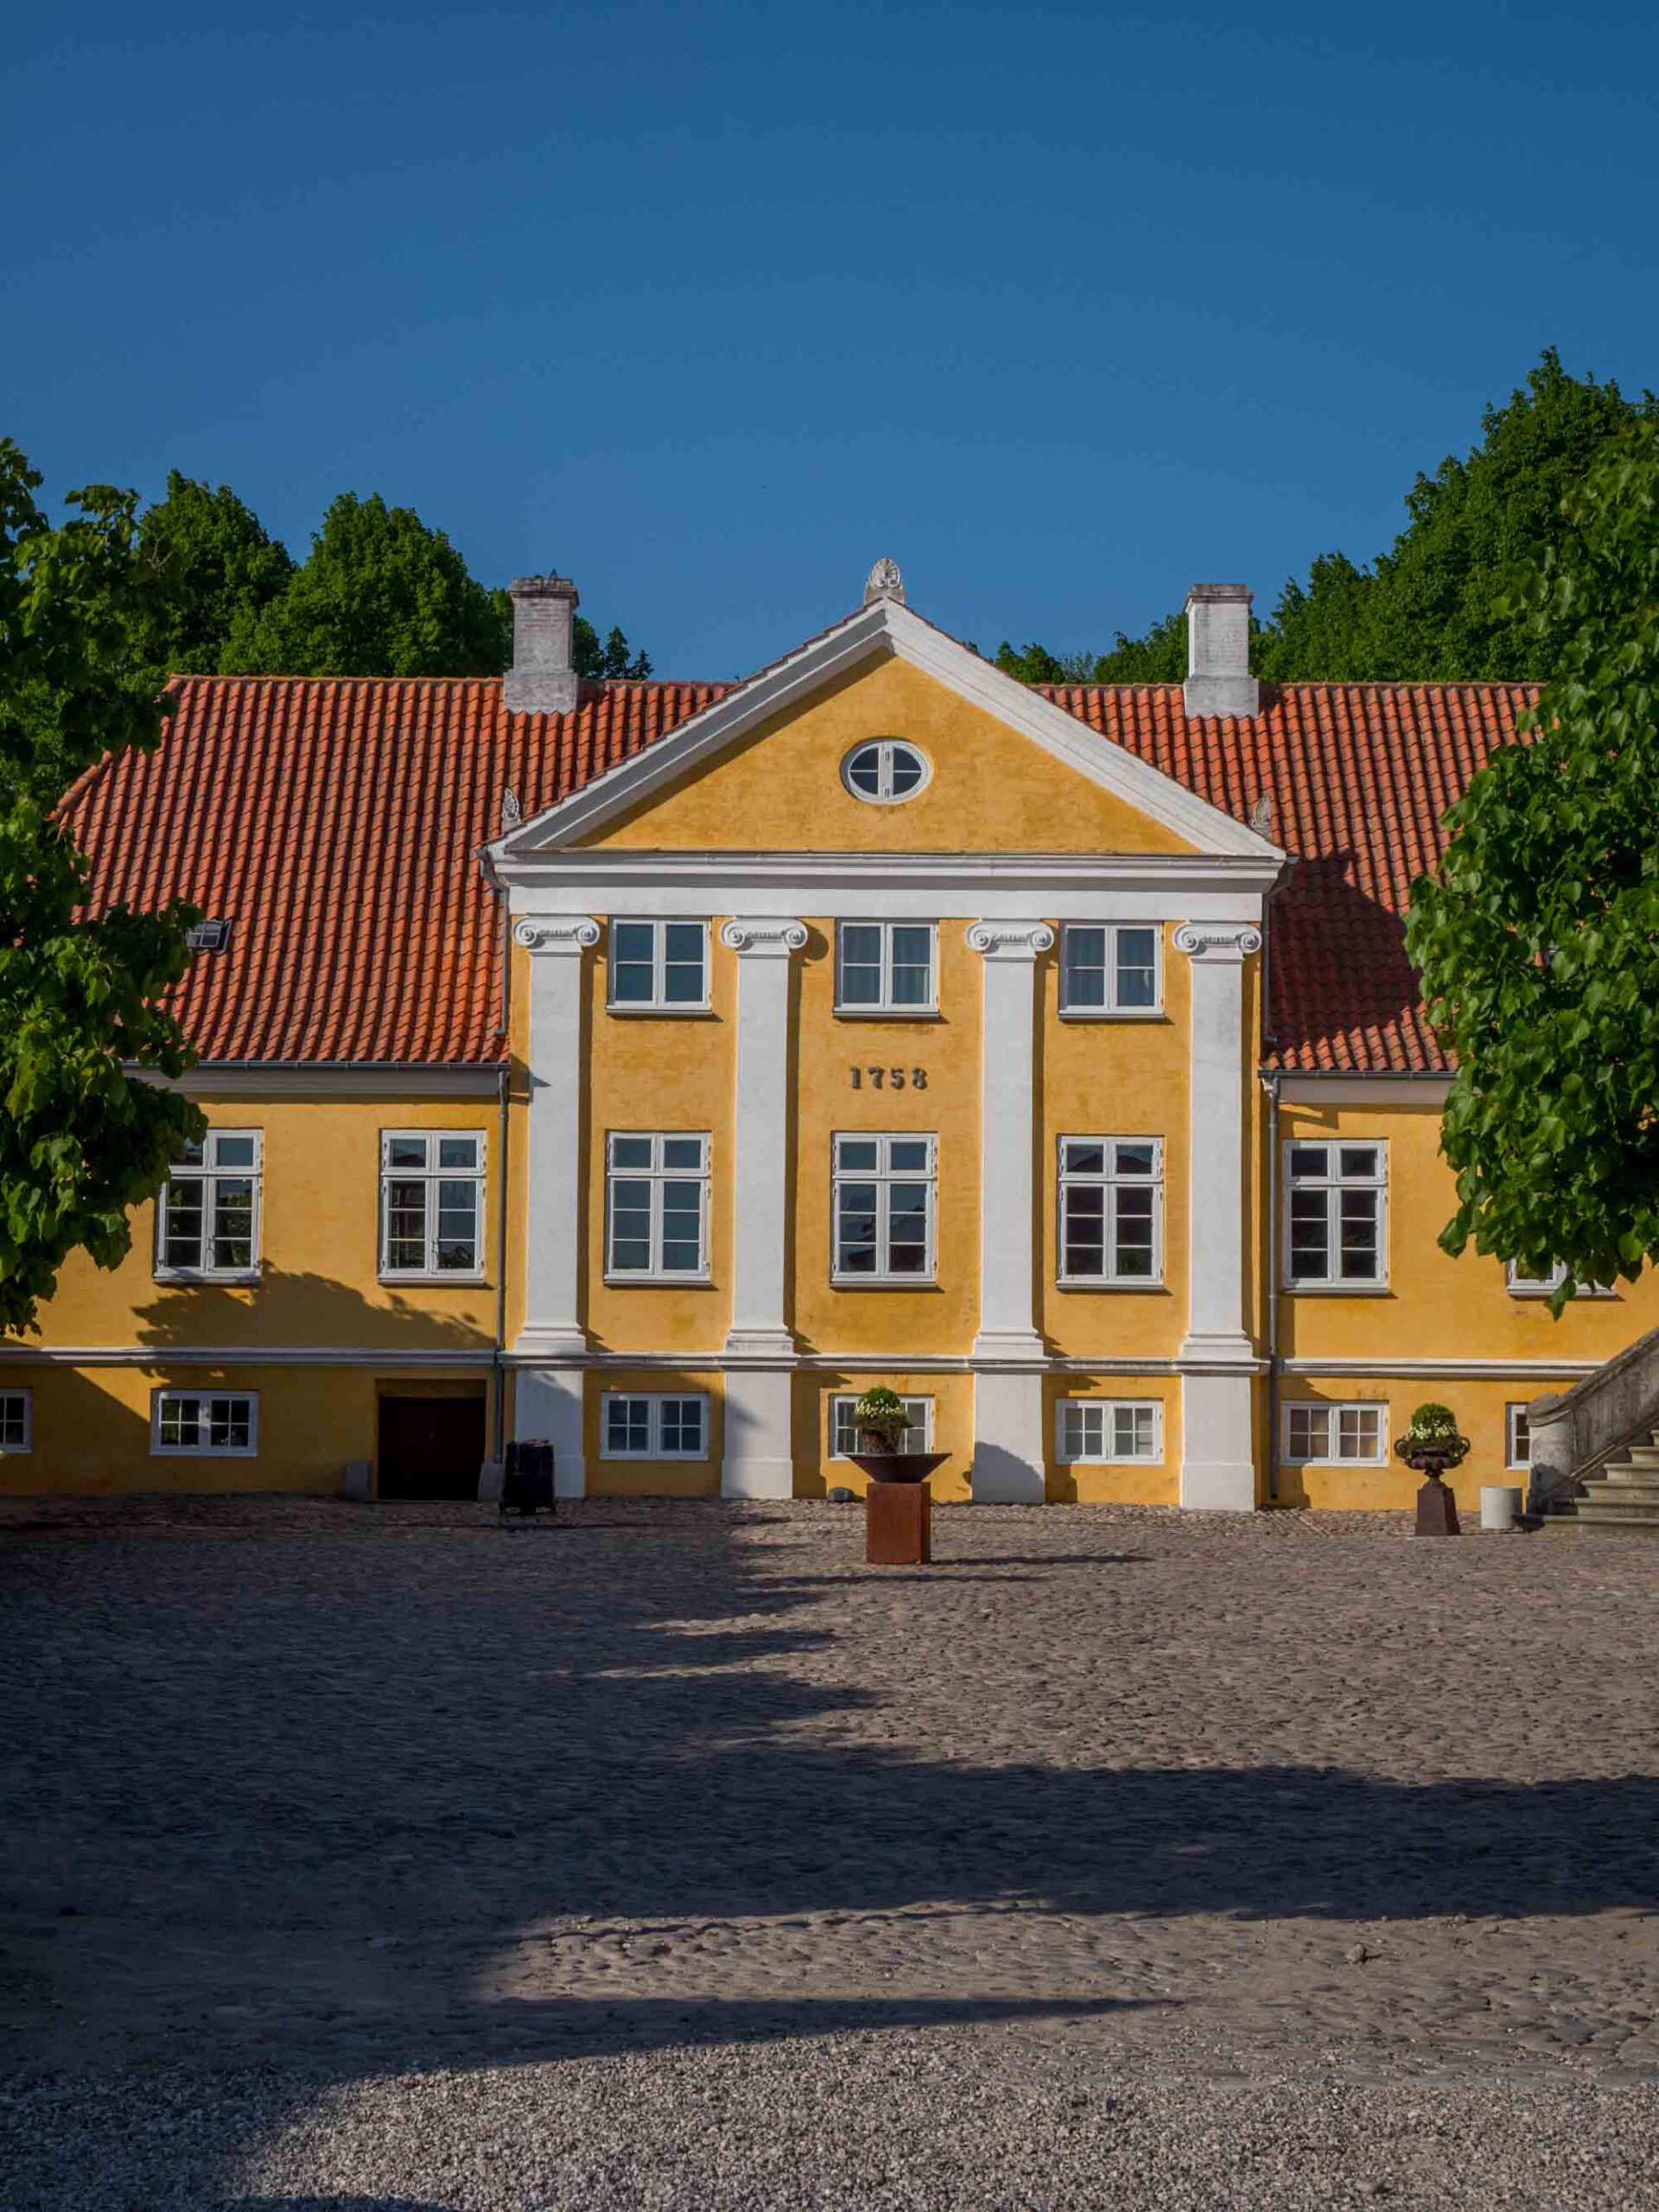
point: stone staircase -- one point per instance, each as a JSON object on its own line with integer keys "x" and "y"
{"x": 1623, "y": 1497}
{"x": 1595, "y": 1448}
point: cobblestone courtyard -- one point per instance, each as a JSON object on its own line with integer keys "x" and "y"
{"x": 348, "y": 1848}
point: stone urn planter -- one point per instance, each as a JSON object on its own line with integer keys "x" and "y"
{"x": 1431, "y": 1447}
{"x": 898, "y": 1508}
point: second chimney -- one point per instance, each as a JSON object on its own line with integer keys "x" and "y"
{"x": 1219, "y": 679}
{"x": 542, "y": 680}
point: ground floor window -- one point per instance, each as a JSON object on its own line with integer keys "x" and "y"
{"x": 1355, "y": 1435}
{"x": 1112, "y": 1430}
{"x": 641, "y": 1425}
{"x": 16, "y": 1420}
{"x": 1518, "y": 1437}
{"x": 844, "y": 1434}
{"x": 221, "y": 1422}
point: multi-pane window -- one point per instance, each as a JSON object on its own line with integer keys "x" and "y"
{"x": 208, "y": 1219}
{"x": 1111, "y": 1208}
{"x": 16, "y": 1420}
{"x": 884, "y": 967}
{"x": 639, "y": 1425}
{"x": 843, "y": 1429}
{"x": 660, "y": 966}
{"x": 1112, "y": 1430}
{"x": 884, "y": 769}
{"x": 431, "y": 1202}
{"x": 884, "y": 1199}
{"x": 1518, "y": 1436}
{"x": 1108, "y": 968}
{"x": 657, "y": 1189}
{"x": 217, "y": 1421}
{"x": 1358, "y": 1435}
{"x": 1334, "y": 1205}
{"x": 1521, "y": 1285}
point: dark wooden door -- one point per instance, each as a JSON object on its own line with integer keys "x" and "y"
{"x": 430, "y": 1447}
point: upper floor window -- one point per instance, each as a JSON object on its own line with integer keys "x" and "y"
{"x": 431, "y": 1202}
{"x": 885, "y": 967}
{"x": 657, "y": 1189}
{"x": 1112, "y": 1430}
{"x": 1358, "y": 1435}
{"x": 222, "y": 1423}
{"x": 1111, "y": 1210}
{"x": 16, "y": 1420}
{"x": 659, "y": 967}
{"x": 843, "y": 1428}
{"x": 208, "y": 1220}
{"x": 1108, "y": 968}
{"x": 1334, "y": 1209}
{"x": 885, "y": 1189}
{"x": 885, "y": 771}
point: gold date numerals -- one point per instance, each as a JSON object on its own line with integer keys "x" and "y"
{"x": 888, "y": 1078}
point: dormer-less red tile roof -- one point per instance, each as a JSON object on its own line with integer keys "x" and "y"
{"x": 337, "y": 823}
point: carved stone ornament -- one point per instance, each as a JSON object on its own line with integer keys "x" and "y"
{"x": 1227, "y": 940}
{"x": 1021, "y": 940}
{"x": 745, "y": 933}
{"x": 556, "y": 933}
{"x": 512, "y": 812}
{"x": 884, "y": 581}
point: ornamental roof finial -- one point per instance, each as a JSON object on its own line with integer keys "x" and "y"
{"x": 884, "y": 581}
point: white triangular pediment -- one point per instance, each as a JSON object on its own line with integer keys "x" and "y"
{"x": 886, "y": 625}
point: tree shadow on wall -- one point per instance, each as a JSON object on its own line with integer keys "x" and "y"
{"x": 298, "y": 1309}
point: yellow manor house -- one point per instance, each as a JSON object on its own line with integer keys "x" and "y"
{"x": 651, "y": 1067}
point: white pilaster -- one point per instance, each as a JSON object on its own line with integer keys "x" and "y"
{"x": 759, "y": 1459}
{"x": 1008, "y": 1445}
{"x": 548, "y": 1401}
{"x": 1218, "y": 1458}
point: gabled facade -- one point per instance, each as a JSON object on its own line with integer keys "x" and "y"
{"x": 652, "y": 1067}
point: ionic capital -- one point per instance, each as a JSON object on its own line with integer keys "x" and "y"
{"x": 1010, "y": 940}
{"x": 565, "y": 933}
{"x": 767, "y": 936}
{"x": 1221, "y": 944}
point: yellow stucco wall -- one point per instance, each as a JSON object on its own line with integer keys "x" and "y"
{"x": 1103, "y": 1484}
{"x": 1480, "y": 1408}
{"x": 779, "y": 789}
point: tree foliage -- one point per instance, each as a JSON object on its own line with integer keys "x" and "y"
{"x": 212, "y": 563}
{"x": 1538, "y": 939}
{"x": 81, "y": 1140}
{"x": 1441, "y": 605}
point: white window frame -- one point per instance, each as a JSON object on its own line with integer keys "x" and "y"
{"x": 432, "y": 1175}
{"x": 1332, "y": 1455}
{"x": 918, "y": 1413}
{"x": 1515, "y": 1419}
{"x": 656, "y": 1174}
{"x": 884, "y": 794}
{"x": 886, "y": 1007}
{"x": 1111, "y": 1181}
{"x": 1333, "y": 1185}
{"x": 209, "y": 1173}
{"x": 1520, "y": 1286}
{"x": 884, "y": 1176}
{"x": 1112, "y": 1010}
{"x": 27, "y": 1397}
{"x": 1109, "y": 1410}
{"x": 659, "y": 1002}
{"x": 160, "y": 1451}
{"x": 655, "y": 1401}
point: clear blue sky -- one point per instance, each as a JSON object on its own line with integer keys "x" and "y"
{"x": 709, "y": 304}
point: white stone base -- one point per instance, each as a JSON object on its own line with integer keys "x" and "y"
{"x": 548, "y": 1403}
{"x": 1217, "y": 1458}
{"x": 1008, "y": 1453}
{"x": 760, "y": 1460}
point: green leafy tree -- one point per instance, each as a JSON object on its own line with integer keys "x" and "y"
{"x": 614, "y": 661}
{"x": 379, "y": 595}
{"x": 81, "y": 1140}
{"x": 212, "y": 563}
{"x": 1538, "y": 939}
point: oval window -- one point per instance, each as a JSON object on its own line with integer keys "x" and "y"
{"x": 884, "y": 770}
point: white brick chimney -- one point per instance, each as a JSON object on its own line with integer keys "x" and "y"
{"x": 542, "y": 680}
{"x": 1219, "y": 679}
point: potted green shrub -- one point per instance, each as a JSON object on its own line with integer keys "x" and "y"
{"x": 880, "y": 1422}
{"x": 1433, "y": 1443}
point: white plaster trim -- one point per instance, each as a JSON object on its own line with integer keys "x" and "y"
{"x": 764, "y": 945}
{"x": 744, "y": 873}
{"x": 1212, "y": 941}
{"x": 1020, "y": 940}
{"x": 884, "y": 627}
{"x": 570, "y": 934}
{"x": 771, "y": 937}
{"x": 1471, "y": 1370}
{"x": 161, "y": 1356}
{"x": 1007, "y": 1318}
{"x": 867, "y": 1363}
{"x": 552, "y": 1218}
{"x": 289, "y": 1079}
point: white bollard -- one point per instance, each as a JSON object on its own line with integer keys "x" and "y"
{"x": 1500, "y": 1506}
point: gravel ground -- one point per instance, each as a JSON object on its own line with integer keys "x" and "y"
{"x": 373, "y": 1856}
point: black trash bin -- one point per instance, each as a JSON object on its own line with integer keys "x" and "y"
{"x": 527, "y": 1478}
